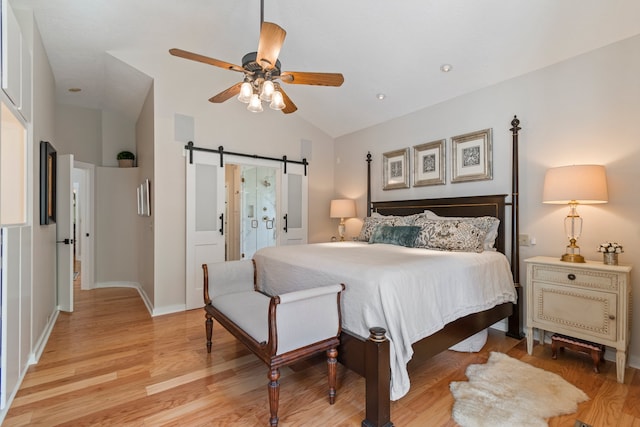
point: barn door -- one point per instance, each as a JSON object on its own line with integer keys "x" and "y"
{"x": 205, "y": 219}
{"x": 294, "y": 205}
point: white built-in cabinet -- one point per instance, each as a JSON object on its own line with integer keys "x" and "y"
{"x": 16, "y": 234}
{"x": 16, "y": 63}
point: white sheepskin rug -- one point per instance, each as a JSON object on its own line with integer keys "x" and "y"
{"x": 508, "y": 392}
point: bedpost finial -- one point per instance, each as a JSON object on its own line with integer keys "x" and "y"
{"x": 377, "y": 334}
{"x": 515, "y": 122}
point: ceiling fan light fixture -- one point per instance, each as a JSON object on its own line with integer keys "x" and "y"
{"x": 246, "y": 91}
{"x": 255, "y": 105}
{"x": 277, "y": 102}
{"x": 267, "y": 90}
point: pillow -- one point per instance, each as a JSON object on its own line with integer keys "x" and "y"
{"x": 450, "y": 235}
{"x": 487, "y": 223}
{"x": 370, "y": 223}
{"x": 403, "y": 235}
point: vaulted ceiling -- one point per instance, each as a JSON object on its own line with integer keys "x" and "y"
{"x": 381, "y": 47}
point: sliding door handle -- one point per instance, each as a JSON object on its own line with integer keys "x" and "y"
{"x": 66, "y": 241}
{"x": 221, "y": 230}
{"x": 285, "y": 223}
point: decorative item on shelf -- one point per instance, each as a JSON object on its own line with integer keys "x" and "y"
{"x": 573, "y": 185}
{"x": 610, "y": 251}
{"x": 125, "y": 159}
{"x": 342, "y": 208}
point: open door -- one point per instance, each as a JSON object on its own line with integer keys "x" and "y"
{"x": 64, "y": 232}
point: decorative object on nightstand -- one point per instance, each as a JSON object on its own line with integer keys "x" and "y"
{"x": 589, "y": 302}
{"x": 342, "y": 208}
{"x": 610, "y": 251}
{"x": 573, "y": 185}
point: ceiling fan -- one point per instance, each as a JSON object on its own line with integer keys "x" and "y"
{"x": 262, "y": 70}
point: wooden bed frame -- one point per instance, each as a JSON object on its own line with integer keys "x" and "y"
{"x": 370, "y": 357}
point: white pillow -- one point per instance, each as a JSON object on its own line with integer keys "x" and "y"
{"x": 491, "y": 229}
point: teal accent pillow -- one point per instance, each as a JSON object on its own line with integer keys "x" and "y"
{"x": 403, "y": 235}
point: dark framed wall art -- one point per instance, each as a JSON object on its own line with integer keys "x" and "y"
{"x": 48, "y": 160}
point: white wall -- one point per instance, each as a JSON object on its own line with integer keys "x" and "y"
{"x": 584, "y": 110}
{"x": 145, "y": 159}
{"x": 43, "y": 305}
{"x": 118, "y": 134}
{"x": 116, "y": 257}
{"x": 78, "y": 132}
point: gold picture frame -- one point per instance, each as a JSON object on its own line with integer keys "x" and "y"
{"x": 472, "y": 156}
{"x": 395, "y": 169}
{"x": 429, "y": 163}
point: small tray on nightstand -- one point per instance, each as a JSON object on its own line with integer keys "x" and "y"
{"x": 596, "y": 351}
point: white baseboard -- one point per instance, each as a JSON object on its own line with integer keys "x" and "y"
{"x": 169, "y": 309}
{"x": 38, "y": 348}
{"x": 153, "y": 311}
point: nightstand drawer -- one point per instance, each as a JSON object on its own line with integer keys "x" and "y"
{"x": 576, "y": 277}
{"x": 575, "y": 310}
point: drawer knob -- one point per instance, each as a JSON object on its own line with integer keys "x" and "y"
{"x": 612, "y": 317}
{"x": 571, "y": 276}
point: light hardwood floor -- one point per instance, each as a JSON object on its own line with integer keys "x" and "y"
{"x": 110, "y": 363}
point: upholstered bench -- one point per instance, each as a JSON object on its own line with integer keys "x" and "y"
{"x": 281, "y": 329}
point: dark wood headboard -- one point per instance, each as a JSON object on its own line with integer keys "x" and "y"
{"x": 471, "y": 206}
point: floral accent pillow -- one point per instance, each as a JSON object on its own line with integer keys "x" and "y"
{"x": 450, "y": 235}
{"x": 489, "y": 224}
{"x": 370, "y": 223}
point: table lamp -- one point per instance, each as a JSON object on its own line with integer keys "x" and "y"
{"x": 573, "y": 185}
{"x": 342, "y": 208}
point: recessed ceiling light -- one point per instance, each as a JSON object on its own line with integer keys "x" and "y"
{"x": 74, "y": 89}
{"x": 445, "y": 68}
{"x": 381, "y": 96}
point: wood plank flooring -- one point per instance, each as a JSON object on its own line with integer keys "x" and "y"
{"x": 110, "y": 363}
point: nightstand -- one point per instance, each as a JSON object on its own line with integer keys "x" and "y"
{"x": 589, "y": 301}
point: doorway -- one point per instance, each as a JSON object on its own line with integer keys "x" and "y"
{"x": 251, "y": 201}
{"x": 83, "y": 178}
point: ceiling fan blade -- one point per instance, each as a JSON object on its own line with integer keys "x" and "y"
{"x": 205, "y": 59}
{"x": 226, "y": 94}
{"x": 271, "y": 40}
{"x": 320, "y": 79}
{"x": 289, "y": 106}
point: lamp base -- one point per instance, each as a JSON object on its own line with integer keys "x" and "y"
{"x": 572, "y": 258}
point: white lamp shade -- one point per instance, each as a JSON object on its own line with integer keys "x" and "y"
{"x": 255, "y": 105}
{"x": 277, "y": 101}
{"x": 245, "y": 92}
{"x": 343, "y": 208}
{"x": 584, "y": 184}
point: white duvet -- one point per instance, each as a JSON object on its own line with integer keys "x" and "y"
{"x": 410, "y": 292}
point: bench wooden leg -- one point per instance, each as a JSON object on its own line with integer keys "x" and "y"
{"x": 332, "y": 355}
{"x": 274, "y": 395}
{"x": 209, "y": 327}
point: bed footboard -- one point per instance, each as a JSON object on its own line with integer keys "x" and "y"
{"x": 370, "y": 358}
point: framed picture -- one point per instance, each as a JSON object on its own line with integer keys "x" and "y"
{"x": 395, "y": 169}
{"x": 146, "y": 198}
{"x": 472, "y": 156}
{"x": 139, "y": 198}
{"x": 48, "y": 160}
{"x": 429, "y": 163}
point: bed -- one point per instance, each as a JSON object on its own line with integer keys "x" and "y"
{"x": 400, "y": 321}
